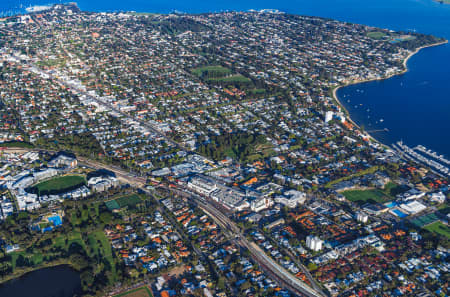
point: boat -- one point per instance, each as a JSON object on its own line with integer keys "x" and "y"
{"x": 381, "y": 120}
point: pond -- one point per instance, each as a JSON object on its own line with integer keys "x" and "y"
{"x": 58, "y": 281}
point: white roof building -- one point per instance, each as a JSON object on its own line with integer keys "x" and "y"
{"x": 260, "y": 204}
{"x": 202, "y": 185}
{"x": 314, "y": 243}
{"x": 413, "y": 207}
{"x": 291, "y": 198}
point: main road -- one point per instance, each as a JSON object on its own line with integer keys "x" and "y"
{"x": 233, "y": 233}
{"x": 272, "y": 268}
{"x": 230, "y": 229}
{"x": 99, "y": 100}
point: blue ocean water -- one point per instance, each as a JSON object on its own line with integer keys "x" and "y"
{"x": 415, "y": 107}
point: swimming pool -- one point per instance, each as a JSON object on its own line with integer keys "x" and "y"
{"x": 391, "y": 204}
{"x": 56, "y": 220}
{"x": 399, "y": 213}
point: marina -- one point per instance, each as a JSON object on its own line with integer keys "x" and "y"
{"x": 411, "y": 154}
{"x": 424, "y": 150}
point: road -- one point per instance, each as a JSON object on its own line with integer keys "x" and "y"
{"x": 305, "y": 271}
{"x": 269, "y": 266}
{"x": 272, "y": 268}
{"x": 82, "y": 91}
{"x": 125, "y": 176}
{"x": 231, "y": 230}
{"x": 121, "y": 174}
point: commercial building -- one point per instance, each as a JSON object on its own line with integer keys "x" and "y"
{"x": 260, "y": 204}
{"x": 202, "y": 185}
{"x": 63, "y": 160}
{"x": 291, "y": 198}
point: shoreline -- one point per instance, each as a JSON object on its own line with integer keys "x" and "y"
{"x": 356, "y": 82}
{"x": 27, "y": 270}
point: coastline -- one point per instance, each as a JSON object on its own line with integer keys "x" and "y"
{"x": 355, "y": 82}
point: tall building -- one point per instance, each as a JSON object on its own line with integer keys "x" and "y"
{"x": 314, "y": 243}
{"x": 362, "y": 217}
{"x": 328, "y": 116}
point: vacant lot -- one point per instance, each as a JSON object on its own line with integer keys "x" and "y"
{"x": 139, "y": 292}
{"x": 438, "y": 227}
{"x": 59, "y": 184}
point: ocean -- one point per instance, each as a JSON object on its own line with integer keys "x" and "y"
{"x": 414, "y": 107}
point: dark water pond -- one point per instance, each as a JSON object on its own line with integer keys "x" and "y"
{"x": 59, "y": 281}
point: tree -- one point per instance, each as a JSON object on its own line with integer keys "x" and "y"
{"x": 221, "y": 284}
{"x": 312, "y": 266}
{"x": 105, "y": 217}
{"x": 78, "y": 261}
{"x": 75, "y": 248}
{"x": 245, "y": 286}
{"x": 87, "y": 279}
